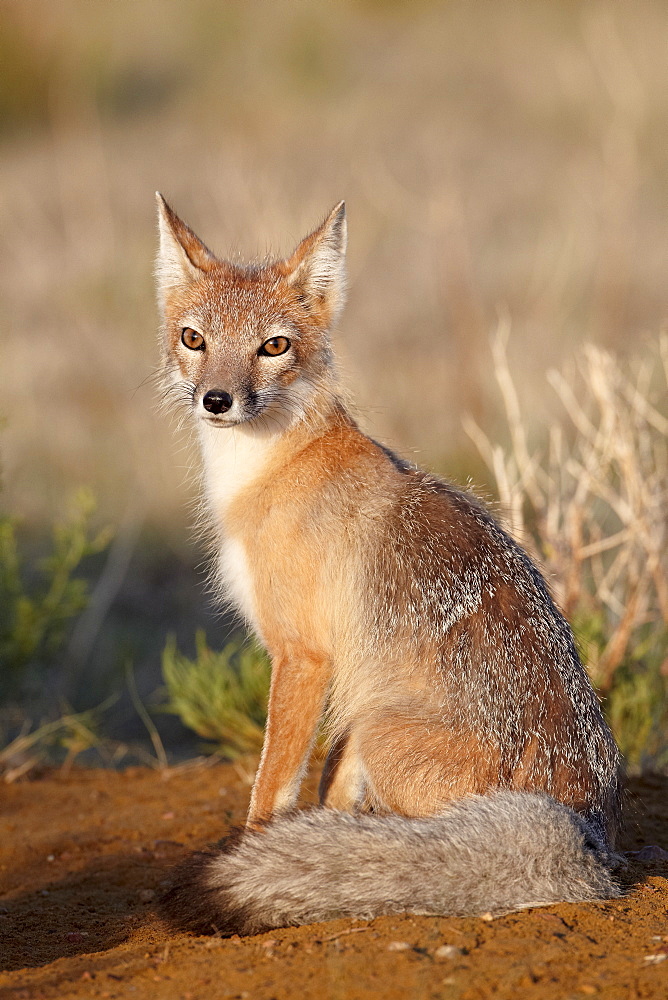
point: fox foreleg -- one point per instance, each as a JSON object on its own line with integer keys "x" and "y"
{"x": 296, "y": 703}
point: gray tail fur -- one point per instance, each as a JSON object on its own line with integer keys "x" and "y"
{"x": 497, "y": 853}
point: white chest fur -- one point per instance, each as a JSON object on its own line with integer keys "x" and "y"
{"x": 236, "y": 580}
{"x": 233, "y": 458}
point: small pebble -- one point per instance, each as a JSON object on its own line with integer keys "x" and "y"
{"x": 398, "y": 946}
{"x": 51, "y": 857}
{"x": 146, "y": 895}
{"x": 448, "y": 951}
{"x": 650, "y": 853}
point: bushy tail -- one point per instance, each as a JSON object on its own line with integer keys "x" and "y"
{"x": 500, "y": 852}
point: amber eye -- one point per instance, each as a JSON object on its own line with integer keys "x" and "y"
{"x": 192, "y": 339}
{"x": 275, "y": 346}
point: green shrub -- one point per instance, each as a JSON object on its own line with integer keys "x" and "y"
{"x": 34, "y": 616}
{"x": 221, "y": 696}
{"x": 636, "y": 701}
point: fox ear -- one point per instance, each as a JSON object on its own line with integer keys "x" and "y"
{"x": 317, "y": 267}
{"x": 182, "y": 257}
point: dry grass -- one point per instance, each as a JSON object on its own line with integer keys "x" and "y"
{"x": 592, "y": 502}
{"x": 68, "y": 736}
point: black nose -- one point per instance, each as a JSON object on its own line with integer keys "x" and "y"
{"x": 217, "y": 401}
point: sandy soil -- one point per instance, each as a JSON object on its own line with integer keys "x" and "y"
{"x": 84, "y": 854}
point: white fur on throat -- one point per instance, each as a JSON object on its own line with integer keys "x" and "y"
{"x": 233, "y": 458}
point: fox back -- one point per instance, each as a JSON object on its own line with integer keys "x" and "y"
{"x": 390, "y": 602}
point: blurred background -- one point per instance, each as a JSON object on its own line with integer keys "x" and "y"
{"x": 498, "y": 159}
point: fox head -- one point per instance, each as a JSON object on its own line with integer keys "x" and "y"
{"x": 243, "y": 343}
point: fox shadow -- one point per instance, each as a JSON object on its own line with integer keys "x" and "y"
{"x": 88, "y": 911}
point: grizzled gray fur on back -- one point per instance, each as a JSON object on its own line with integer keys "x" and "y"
{"x": 501, "y": 852}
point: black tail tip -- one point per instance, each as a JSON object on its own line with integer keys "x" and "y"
{"x": 196, "y": 899}
{"x": 190, "y": 902}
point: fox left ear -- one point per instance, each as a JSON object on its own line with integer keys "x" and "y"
{"x": 182, "y": 257}
{"x": 317, "y": 267}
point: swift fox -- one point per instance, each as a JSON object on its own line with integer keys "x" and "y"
{"x": 469, "y": 766}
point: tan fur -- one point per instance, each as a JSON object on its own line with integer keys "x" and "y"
{"x": 389, "y": 602}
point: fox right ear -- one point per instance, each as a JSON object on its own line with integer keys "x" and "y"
{"x": 182, "y": 257}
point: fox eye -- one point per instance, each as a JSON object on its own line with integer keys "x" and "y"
{"x": 275, "y": 346}
{"x": 192, "y": 339}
